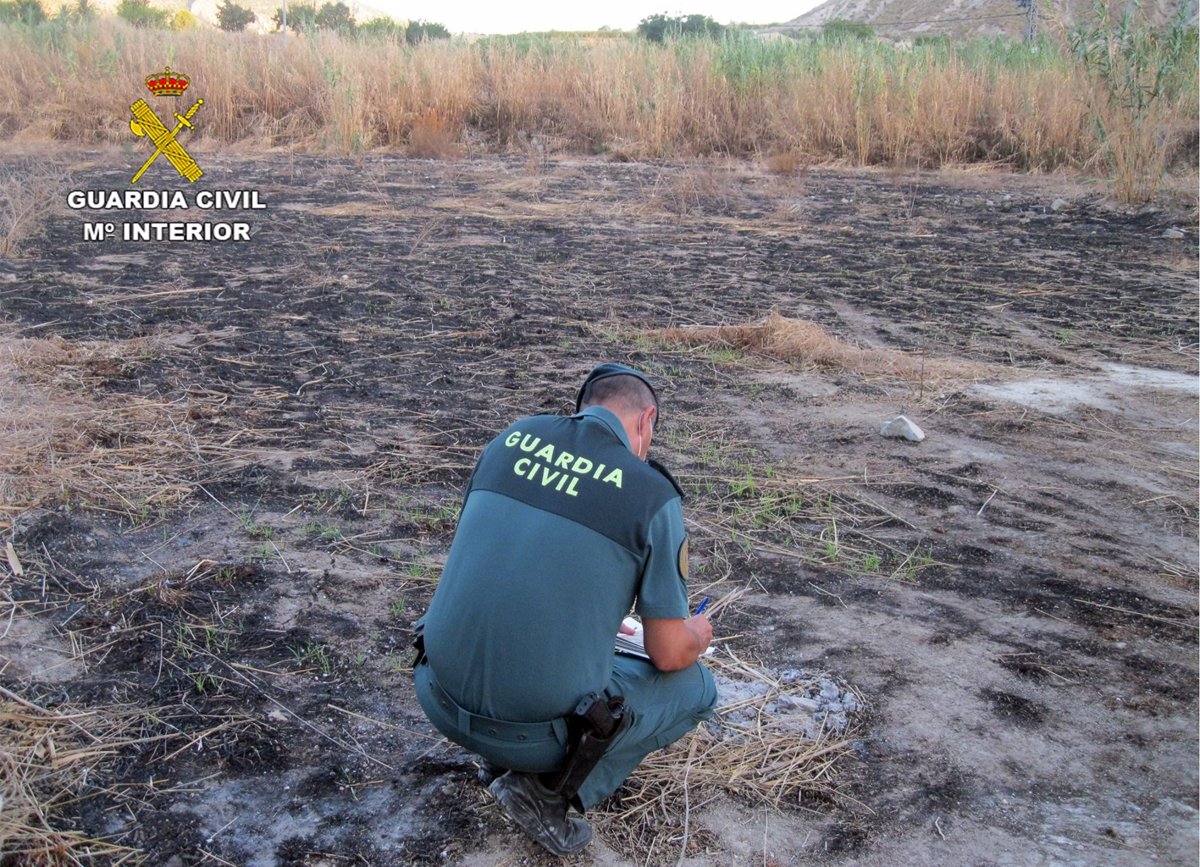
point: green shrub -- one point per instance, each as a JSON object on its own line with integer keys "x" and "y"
{"x": 841, "y": 30}
{"x": 336, "y": 17}
{"x": 22, "y": 12}
{"x": 381, "y": 28}
{"x": 421, "y": 31}
{"x": 931, "y": 40}
{"x": 301, "y": 18}
{"x": 140, "y": 13}
{"x": 659, "y": 28}
{"x": 184, "y": 20}
{"x": 233, "y": 18}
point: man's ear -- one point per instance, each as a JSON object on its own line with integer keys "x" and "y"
{"x": 648, "y": 415}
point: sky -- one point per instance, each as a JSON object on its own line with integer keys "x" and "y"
{"x": 491, "y": 16}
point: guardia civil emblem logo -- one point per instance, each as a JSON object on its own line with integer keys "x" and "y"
{"x": 145, "y": 123}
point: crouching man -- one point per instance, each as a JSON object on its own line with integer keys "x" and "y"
{"x": 564, "y": 529}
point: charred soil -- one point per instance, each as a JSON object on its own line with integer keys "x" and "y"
{"x": 1014, "y": 597}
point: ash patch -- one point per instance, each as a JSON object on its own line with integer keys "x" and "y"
{"x": 813, "y": 706}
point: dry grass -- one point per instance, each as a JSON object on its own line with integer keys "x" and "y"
{"x": 807, "y": 344}
{"x": 29, "y": 196}
{"x": 794, "y": 103}
{"x": 45, "y": 759}
{"x": 785, "y": 162}
{"x": 763, "y": 764}
{"x": 432, "y": 137}
{"x": 50, "y": 759}
{"x": 66, "y": 441}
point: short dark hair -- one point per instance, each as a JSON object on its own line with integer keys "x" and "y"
{"x": 624, "y": 391}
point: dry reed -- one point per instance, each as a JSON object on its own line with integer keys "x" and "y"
{"x": 817, "y": 101}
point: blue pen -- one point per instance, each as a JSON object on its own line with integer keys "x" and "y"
{"x": 703, "y": 604}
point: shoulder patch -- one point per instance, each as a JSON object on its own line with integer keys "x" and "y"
{"x": 683, "y": 559}
{"x": 666, "y": 474}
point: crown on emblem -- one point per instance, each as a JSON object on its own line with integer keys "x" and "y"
{"x": 167, "y": 83}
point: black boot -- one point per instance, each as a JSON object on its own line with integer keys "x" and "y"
{"x": 541, "y": 813}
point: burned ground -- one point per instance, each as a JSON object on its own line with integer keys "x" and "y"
{"x": 1014, "y": 597}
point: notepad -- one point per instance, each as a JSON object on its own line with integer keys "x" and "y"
{"x": 635, "y": 644}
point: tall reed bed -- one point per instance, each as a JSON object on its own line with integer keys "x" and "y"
{"x": 860, "y": 102}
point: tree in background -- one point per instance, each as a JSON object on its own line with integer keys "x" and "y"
{"x": 140, "y": 13}
{"x": 336, "y": 17}
{"x": 22, "y": 12}
{"x": 233, "y": 18}
{"x": 660, "y": 28}
{"x": 306, "y": 18}
{"x": 420, "y": 31}
{"x": 301, "y": 18}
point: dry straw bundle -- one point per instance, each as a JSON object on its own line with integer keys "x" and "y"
{"x": 68, "y": 440}
{"x": 799, "y": 341}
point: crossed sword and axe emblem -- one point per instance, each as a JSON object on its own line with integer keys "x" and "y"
{"x": 146, "y": 123}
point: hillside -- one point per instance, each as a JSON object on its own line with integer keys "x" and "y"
{"x": 961, "y": 17}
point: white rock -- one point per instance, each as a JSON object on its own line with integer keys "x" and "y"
{"x": 1059, "y": 204}
{"x": 1173, "y": 234}
{"x": 902, "y": 426}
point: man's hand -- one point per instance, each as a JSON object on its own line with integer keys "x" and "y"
{"x": 674, "y": 644}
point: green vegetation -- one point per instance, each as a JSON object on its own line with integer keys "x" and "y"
{"x": 322, "y": 531}
{"x": 421, "y": 571}
{"x": 422, "y": 31}
{"x": 140, "y": 13}
{"x": 381, "y": 28}
{"x": 28, "y": 12}
{"x": 300, "y": 17}
{"x": 841, "y": 30}
{"x": 312, "y": 654}
{"x": 1135, "y": 72}
{"x": 1121, "y": 95}
{"x": 232, "y": 18}
{"x": 335, "y": 17}
{"x": 661, "y": 28}
{"x": 255, "y": 530}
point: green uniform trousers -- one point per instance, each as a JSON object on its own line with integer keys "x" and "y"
{"x": 663, "y": 706}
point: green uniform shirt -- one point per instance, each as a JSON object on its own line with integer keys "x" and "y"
{"x": 563, "y": 527}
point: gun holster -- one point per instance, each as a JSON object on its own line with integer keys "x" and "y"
{"x": 592, "y": 727}
{"x": 418, "y": 644}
